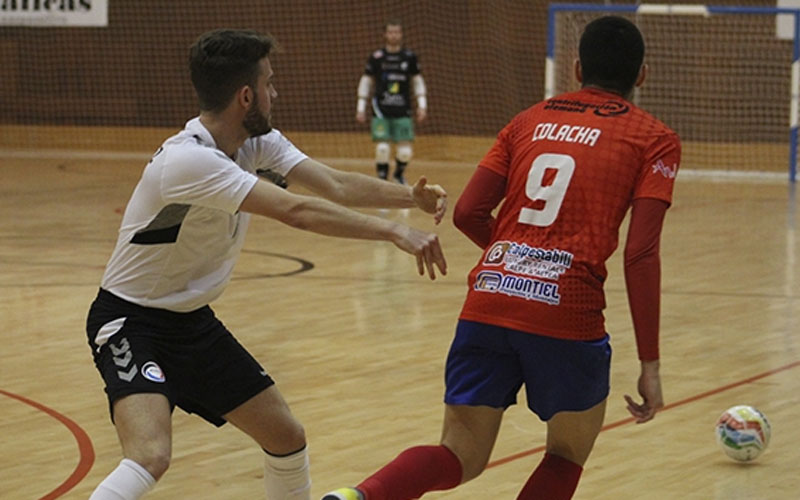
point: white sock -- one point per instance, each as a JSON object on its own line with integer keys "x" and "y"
{"x": 287, "y": 477}
{"x": 129, "y": 481}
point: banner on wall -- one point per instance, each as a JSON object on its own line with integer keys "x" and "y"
{"x": 785, "y": 24}
{"x": 54, "y": 13}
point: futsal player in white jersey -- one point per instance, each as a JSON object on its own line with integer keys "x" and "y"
{"x": 155, "y": 340}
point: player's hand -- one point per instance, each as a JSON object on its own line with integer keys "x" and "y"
{"x": 650, "y": 390}
{"x": 422, "y": 113}
{"x": 431, "y": 198}
{"x": 361, "y": 116}
{"x": 424, "y": 246}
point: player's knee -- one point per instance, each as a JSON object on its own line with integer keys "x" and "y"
{"x": 155, "y": 460}
{"x": 473, "y": 461}
{"x": 296, "y": 438}
{"x": 290, "y": 438}
{"x": 404, "y": 153}
{"x": 382, "y": 152}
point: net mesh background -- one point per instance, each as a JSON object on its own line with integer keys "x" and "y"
{"x": 720, "y": 82}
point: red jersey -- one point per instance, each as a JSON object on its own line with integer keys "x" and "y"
{"x": 573, "y": 165}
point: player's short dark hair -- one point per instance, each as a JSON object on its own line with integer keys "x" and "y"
{"x": 392, "y": 21}
{"x": 223, "y": 61}
{"x": 611, "y": 54}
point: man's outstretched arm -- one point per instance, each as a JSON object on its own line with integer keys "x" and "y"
{"x": 354, "y": 189}
{"x": 324, "y": 217}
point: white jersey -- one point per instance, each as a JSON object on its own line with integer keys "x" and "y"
{"x": 182, "y": 231}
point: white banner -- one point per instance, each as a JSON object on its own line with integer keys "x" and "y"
{"x": 784, "y": 26}
{"x": 52, "y": 13}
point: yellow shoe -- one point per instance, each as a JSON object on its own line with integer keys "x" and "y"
{"x": 344, "y": 494}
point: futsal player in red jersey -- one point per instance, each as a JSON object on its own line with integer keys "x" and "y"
{"x": 568, "y": 170}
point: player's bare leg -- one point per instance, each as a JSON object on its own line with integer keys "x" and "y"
{"x": 144, "y": 427}
{"x": 468, "y": 436}
{"x": 470, "y": 432}
{"x": 571, "y": 434}
{"x": 570, "y": 439}
{"x": 267, "y": 419}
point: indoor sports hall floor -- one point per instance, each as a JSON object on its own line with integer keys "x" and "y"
{"x": 357, "y": 345}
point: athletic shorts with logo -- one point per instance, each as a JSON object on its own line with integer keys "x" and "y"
{"x": 487, "y": 365}
{"x": 191, "y": 358}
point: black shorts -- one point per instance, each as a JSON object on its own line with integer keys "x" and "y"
{"x": 191, "y": 358}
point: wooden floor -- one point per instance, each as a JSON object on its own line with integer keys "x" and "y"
{"x": 357, "y": 345}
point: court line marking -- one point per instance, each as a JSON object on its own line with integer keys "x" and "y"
{"x": 87, "y": 451}
{"x": 713, "y": 175}
{"x": 670, "y": 406}
{"x": 84, "y": 446}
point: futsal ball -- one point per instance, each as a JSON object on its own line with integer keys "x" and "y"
{"x": 743, "y": 432}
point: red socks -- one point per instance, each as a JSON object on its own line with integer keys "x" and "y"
{"x": 421, "y": 469}
{"x": 554, "y": 479}
{"x": 414, "y": 472}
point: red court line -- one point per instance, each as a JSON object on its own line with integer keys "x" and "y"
{"x": 84, "y": 446}
{"x": 618, "y": 423}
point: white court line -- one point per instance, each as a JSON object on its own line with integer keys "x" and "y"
{"x": 685, "y": 174}
{"x": 59, "y": 154}
{"x": 717, "y": 175}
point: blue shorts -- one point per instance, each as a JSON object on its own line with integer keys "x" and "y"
{"x": 487, "y": 365}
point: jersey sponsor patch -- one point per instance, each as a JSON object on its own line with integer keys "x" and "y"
{"x": 520, "y": 258}
{"x": 497, "y": 254}
{"x": 152, "y": 372}
{"x": 518, "y": 286}
{"x": 607, "y": 108}
{"x": 612, "y": 108}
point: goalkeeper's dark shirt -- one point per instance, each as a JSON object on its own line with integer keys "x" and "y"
{"x": 392, "y": 72}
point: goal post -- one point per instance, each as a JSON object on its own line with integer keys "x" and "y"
{"x": 720, "y": 76}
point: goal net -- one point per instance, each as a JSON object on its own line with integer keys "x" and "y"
{"x": 124, "y": 85}
{"x": 721, "y": 77}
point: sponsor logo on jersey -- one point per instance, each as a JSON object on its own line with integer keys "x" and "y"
{"x": 517, "y": 286}
{"x": 496, "y": 255}
{"x": 608, "y": 108}
{"x": 151, "y": 371}
{"x": 567, "y": 105}
{"x": 612, "y": 108}
{"x": 395, "y": 77}
{"x": 393, "y": 100}
{"x": 566, "y": 133}
{"x": 666, "y": 171}
{"x": 520, "y": 258}
{"x": 488, "y": 281}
